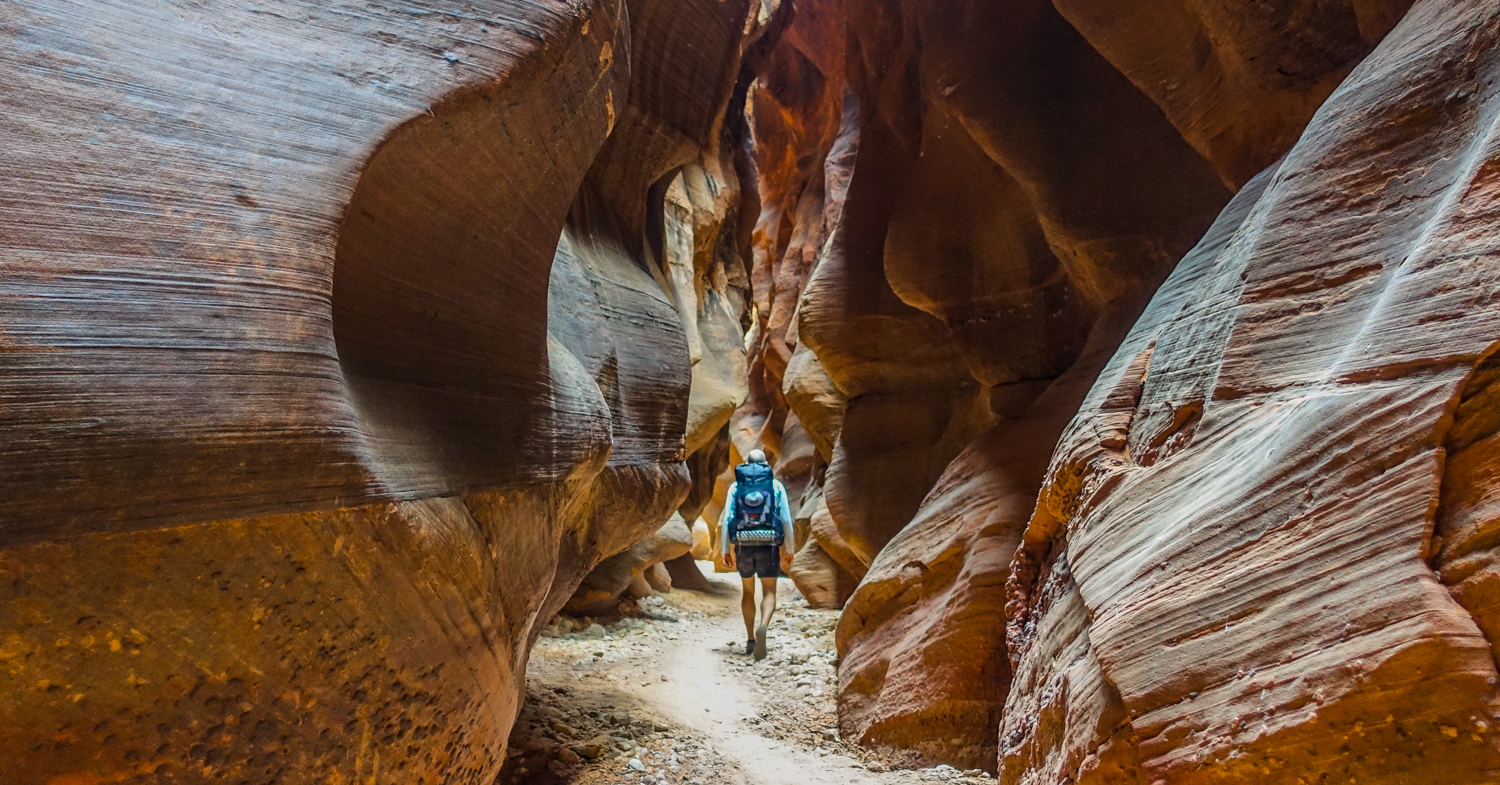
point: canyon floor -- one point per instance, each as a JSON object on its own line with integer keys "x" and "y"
{"x": 662, "y": 692}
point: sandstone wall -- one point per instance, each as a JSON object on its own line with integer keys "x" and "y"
{"x": 311, "y": 415}
{"x": 1015, "y": 181}
{"x": 1232, "y": 573}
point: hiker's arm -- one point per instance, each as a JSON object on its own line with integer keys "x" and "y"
{"x": 725, "y": 519}
{"x": 788, "y": 526}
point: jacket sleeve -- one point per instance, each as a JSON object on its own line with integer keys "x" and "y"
{"x": 784, "y": 512}
{"x": 726, "y": 518}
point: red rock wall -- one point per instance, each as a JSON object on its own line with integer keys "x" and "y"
{"x": 1237, "y": 532}
{"x": 967, "y": 262}
{"x": 310, "y": 417}
{"x": 1020, "y": 179}
{"x": 340, "y": 344}
{"x": 1018, "y": 244}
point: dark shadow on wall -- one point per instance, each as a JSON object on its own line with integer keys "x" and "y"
{"x": 440, "y": 284}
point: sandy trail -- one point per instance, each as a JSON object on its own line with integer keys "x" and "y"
{"x": 675, "y": 693}
{"x": 717, "y": 700}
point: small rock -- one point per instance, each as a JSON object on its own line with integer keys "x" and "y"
{"x": 635, "y": 763}
{"x": 567, "y": 756}
{"x": 594, "y": 631}
{"x": 974, "y": 773}
{"x": 593, "y": 748}
{"x": 875, "y": 766}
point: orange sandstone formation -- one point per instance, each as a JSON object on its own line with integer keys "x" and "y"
{"x": 1131, "y": 366}
{"x": 1018, "y": 179}
{"x": 340, "y": 344}
{"x": 1260, "y": 551}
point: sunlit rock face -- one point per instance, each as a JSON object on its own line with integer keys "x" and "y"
{"x": 1239, "y": 82}
{"x": 990, "y": 254}
{"x": 339, "y": 346}
{"x": 1014, "y": 182}
{"x": 705, "y": 281}
{"x": 1261, "y": 553}
{"x": 794, "y": 112}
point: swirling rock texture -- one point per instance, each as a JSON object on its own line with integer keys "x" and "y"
{"x": 1021, "y": 177}
{"x": 628, "y": 570}
{"x": 707, "y": 282}
{"x": 338, "y": 347}
{"x": 1263, "y": 548}
{"x": 1132, "y": 365}
{"x": 1027, "y": 260}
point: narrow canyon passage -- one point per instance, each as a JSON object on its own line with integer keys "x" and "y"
{"x": 670, "y": 687}
{"x": 374, "y": 376}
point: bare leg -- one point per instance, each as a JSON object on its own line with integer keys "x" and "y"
{"x": 767, "y": 600}
{"x": 747, "y": 606}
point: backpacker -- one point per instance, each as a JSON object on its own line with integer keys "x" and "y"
{"x": 754, "y": 506}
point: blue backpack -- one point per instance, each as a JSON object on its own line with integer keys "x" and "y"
{"x": 754, "y": 521}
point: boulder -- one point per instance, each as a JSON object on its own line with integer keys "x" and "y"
{"x": 684, "y": 573}
{"x": 624, "y": 572}
{"x": 658, "y": 577}
{"x": 702, "y": 546}
{"x": 823, "y": 581}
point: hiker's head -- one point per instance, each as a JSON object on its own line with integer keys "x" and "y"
{"x": 756, "y": 456}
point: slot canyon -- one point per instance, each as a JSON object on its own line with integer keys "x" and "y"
{"x": 1125, "y": 363}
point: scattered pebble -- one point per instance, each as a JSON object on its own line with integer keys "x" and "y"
{"x": 585, "y": 720}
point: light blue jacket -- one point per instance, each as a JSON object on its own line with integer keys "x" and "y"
{"x": 783, "y": 514}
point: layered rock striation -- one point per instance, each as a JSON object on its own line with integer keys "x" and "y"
{"x": 1015, "y": 182}
{"x": 1259, "y": 552}
{"x": 1131, "y": 367}
{"x": 340, "y": 344}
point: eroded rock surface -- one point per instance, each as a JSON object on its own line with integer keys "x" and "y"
{"x": 1227, "y": 577}
{"x": 311, "y": 415}
{"x": 343, "y": 345}
{"x": 1013, "y": 182}
{"x": 630, "y": 570}
{"x": 975, "y": 262}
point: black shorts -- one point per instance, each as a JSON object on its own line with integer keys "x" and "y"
{"x": 762, "y": 560}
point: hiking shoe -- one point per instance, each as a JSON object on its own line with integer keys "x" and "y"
{"x": 749, "y": 647}
{"x": 760, "y": 642}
